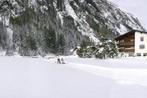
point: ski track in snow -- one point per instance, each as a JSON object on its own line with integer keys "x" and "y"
{"x": 129, "y": 76}
{"x": 122, "y": 76}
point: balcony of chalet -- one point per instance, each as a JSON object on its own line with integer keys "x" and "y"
{"x": 126, "y": 49}
{"x": 126, "y": 43}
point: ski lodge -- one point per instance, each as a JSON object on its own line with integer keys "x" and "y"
{"x": 133, "y": 43}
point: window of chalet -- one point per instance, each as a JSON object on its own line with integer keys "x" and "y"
{"x": 138, "y": 54}
{"x": 141, "y": 38}
{"x": 142, "y": 46}
{"x": 145, "y": 54}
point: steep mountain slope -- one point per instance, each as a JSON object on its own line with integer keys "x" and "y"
{"x": 34, "y": 27}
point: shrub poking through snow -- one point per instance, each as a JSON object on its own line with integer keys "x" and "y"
{"x": 105, "y": 49}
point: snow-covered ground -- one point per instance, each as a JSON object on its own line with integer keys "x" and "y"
{"x": 24, "y": 77}
{"x": 124, "y": 71}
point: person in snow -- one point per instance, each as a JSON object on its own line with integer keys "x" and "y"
{"x": 58, "y": 61}
{"x": 62, "y": 61}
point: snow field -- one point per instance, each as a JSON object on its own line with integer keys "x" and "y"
{"x": 125, "y": 71}
{"x": 25, "y": 77}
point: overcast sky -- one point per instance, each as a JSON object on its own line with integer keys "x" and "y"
{"x": 136, "y": 7}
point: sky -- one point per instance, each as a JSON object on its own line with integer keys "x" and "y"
{"x": 136, "y": 7}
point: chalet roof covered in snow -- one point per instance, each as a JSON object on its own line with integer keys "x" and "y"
{"x": 128, "y": 34}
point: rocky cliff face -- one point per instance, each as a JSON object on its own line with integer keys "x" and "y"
{"x": 32, "y": 27}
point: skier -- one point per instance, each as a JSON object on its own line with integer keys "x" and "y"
{"x": 58, "y": 61}
{"x": 62, "y": 61}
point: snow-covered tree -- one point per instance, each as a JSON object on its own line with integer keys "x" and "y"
{"x": 105, "y": 49}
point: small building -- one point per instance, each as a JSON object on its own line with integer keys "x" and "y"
{"x": 133, "y": 43}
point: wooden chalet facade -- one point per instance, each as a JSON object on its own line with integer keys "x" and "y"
{"x": 133, "y": 43}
